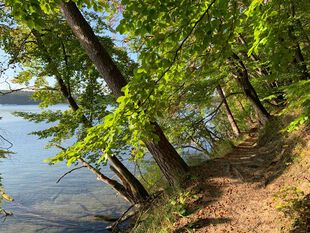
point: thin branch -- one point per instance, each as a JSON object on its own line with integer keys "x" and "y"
{"x": 193, "y": 147}
{"x": 67, "y": 63}
{"x": 218, "y": 107}
{"x": 69, "y": 172}
{"x": 140, "y": 172}
{"x": 120, "y": 219}
{"x": 197, "y": 142}
{"x": 101, "y": 177}
{"x": 2, "y": 93}
{"x": 4, "y": 139}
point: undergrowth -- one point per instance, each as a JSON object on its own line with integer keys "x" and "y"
{"x": 165, "y": 212}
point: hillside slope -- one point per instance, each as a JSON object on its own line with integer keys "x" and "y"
{"x": 16, "y": 97}
{"x": 261, "y": 186}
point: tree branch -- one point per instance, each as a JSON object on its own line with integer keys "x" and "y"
{"x": 10, "y": 143}
{"x": 179, "y": 49}
{"x": 69, "y": 173}
{"x": 115, "y": 185}
{"x": 193, "y": 147}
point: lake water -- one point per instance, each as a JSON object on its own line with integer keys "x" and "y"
{"x": 40, "y": 204}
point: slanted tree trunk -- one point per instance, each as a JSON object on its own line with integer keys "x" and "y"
{"x": 169, "y": 161}
{"x": 242, "y": 78}
{"x": 230, "y": 116}
{"x": 135, "y": 191}
{"x": 119, "y": 188}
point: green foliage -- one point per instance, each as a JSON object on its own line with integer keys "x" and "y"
{"x": 298, "y": 97}
{"x": 289, "y": 199}
{"x": 68, "y": 124}
{"x": 151, "y": 176}
{"x": 184, "y": 50}
{"x": 179, "y": 203}
{"x": 294, "y": 203}
{"x": 31, "y": 12}
{"x": 161, "y": 216}
{"x": 53, "y": 52}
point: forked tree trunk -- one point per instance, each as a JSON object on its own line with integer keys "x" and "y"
{"x": 230, "y": 116}
{"x": 242, "y": 78}
{"x": 119, "y": 188}
{"x": 169, "y": 161}
{"x": 135, "y": 191}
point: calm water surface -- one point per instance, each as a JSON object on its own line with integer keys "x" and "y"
{"x": 40, "y": 204}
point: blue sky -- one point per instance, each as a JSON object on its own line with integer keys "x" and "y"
{"x": 6, "y": 74}
{"x": 10, "y": 73}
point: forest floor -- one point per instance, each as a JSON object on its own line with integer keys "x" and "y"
{"x": 261, "y": 186}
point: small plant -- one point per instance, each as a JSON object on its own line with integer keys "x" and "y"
{"x": 293, "y": 202}
{"x": 179, "y": 204}
{"x": 165, "y": 213}
{"x": 288, "y": 200}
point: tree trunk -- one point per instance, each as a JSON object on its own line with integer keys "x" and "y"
{"x": 113, "y": 183}
{"x": 242, "y": 78}
{"x": 137, "y": 192}
{"x": 171, "y": 164}
{"x": 230, "y": 116}
{"x": 249, "y": 91}
{"x": 169, "y": 161}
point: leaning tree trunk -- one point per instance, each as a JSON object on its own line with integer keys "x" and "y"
{"x": 242, "y": 78}
{"x": 135, "y": 192}
{"x": 169, "y": 161}
{"x": 230, "y": 116}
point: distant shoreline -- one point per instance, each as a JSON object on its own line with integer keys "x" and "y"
{"x": 17, "y": 98}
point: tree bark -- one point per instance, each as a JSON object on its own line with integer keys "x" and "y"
{"x": 113, "y": 183}
{"x": 242, "y": 78}
{"x": 139, "y": 193}
{"x": 230, "y": 116}
{"x": 171, "y": 164}
{"x": 169, "y": 161}
{"x": 136, "y": 193}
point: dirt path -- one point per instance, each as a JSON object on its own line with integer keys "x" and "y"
{"x": 237, "y": 190}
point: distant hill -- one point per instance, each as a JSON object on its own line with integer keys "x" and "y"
{"x": 18, "y": 97}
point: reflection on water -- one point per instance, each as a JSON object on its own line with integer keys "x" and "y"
{"x": 40, "y": 204}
